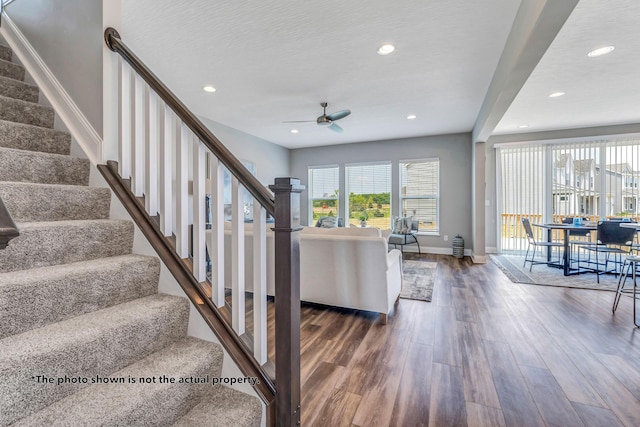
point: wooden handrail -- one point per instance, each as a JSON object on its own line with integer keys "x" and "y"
{"x": 282, "y": 398}
{"x": 8, "y": 228}
{"x": 235, "y": 167}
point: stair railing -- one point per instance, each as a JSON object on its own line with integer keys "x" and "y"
{"x": 156, "y": 127}
{"x": 8, "y": 229}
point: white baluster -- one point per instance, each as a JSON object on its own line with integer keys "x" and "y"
{"x": 259, "y": 283}
{"x": 216, "y": 241}
{"x": 199, "y": 213}
{"x": 137, "y": 174}
{"x": 126, "y": 100}
{"x": 237, "y": 257}
{"x": 166, "y": 171}
{"x": 152, "y": 146}
{"x": 182, "y": 192}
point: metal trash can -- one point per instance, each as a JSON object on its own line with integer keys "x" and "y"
{"x": 458, "y": 246}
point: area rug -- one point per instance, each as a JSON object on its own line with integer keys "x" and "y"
{"x": 418, "y": 279}
{"x": 511, "y": 266}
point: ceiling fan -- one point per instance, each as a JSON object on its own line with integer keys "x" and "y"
{"x": 326, "y": 119}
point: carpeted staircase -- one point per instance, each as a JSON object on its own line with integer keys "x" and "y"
{"x": 76, "y": 305}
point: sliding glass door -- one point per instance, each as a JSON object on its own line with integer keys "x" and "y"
{"x": 521, "y": 174}
{"x": 552, "y": 182}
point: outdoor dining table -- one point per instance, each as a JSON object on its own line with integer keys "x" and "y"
{"x": 566, "y": 256}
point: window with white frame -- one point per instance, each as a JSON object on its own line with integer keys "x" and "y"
{"x": 369, "y": 191}
{"x": 420, "y": 192}
{"x": 323, "y": 192}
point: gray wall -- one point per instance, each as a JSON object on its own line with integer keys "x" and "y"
{"x": 67, "y": 34}
{"x": 454, "y": 152}
{"x": 271, "y": 160}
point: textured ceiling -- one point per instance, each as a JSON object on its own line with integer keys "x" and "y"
{"x": 276, "y": 60}
{"x": 273, "y": 61}
{"x": 599, "y": 91}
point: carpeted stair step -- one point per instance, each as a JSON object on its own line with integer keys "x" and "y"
{"x": 224, "y": 407}
{"x": 30, "y": 299}
{"x": 5, "y": 53}
{"x": 18, "y": 90}
{"x": 41, "y": 244}
{"x": 16, "y": 110}
{"x": 29, "y": 202}
{"x": 147, "y": 404}
{"x": 98, "y": 343}
{"x": 11, "y": 70}
{"x": 34, "y": 138}
{"x": 45, "y": 168}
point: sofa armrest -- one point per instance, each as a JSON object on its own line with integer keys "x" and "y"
{"x": 394, "y": 277}
{"x": 394, "y": 257}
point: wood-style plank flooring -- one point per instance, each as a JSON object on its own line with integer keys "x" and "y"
{"x": 484, "y": 352}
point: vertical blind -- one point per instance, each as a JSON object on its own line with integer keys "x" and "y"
{"x": 591, "y": 179}
{"x": 576, "y": 186}
{"x": 621, "y": 179}
{"x": 522, "y": 170}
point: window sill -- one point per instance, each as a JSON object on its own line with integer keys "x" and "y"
{"x": 428, "y": 233}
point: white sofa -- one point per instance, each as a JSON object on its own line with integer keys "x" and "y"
{"x": 349, "y": 267}
{"x": 342, "y": 267}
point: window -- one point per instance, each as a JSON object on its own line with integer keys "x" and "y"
{"x": 419, "y": 192}
{"x": 369, "y": 190}
{"x": 323, "y": 192}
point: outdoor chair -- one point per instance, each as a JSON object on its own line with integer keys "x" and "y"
{"x": 533, "y": 242}
{"x": 611, "y": 240}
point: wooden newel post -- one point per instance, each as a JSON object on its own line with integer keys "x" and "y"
{"x": 287, "y": 276}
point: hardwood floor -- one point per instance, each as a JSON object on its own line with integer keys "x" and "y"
{"x": 484, "y": 352}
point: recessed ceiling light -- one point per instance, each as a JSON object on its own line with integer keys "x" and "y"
{"x": 523, "y": 126}
{"x": 294, "y": 130}
{"x": 209, "y": 88}
{"x": 556, "y": 94}
{"x": 411, "y": 116}
{"x": 386, "y": 49}
{"x": 600, "y": 51}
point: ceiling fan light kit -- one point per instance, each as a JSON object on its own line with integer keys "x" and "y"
{"x": 327, "y": 119}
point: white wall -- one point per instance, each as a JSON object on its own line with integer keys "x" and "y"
{"x": 453, "y": 151}
{"x": 67, "y": 34}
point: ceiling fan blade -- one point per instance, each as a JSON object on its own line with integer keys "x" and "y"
{"x": 334, "y": 127}
{"x": 298, "y": 121}
{"x": 338, "y": 115}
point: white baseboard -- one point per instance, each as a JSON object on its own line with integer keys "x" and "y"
{"x": 491, "y": 250}
{"x": 80, "y": 128}
{"x": 431, "y": 250}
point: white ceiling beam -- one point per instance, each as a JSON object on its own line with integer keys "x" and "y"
{"x": 566, "y": 135}
{"x": 535, "y": 26}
